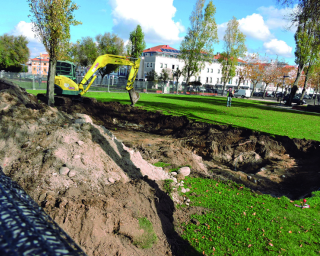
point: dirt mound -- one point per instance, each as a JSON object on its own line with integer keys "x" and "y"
{"x": 84, "y": 178}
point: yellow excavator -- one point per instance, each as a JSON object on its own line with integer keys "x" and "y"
{"x": 66, "y": 86}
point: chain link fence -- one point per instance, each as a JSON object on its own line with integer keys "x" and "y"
{"x": 110, "y": 84}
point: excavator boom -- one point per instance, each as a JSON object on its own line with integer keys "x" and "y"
{"x": 106, "y": 59}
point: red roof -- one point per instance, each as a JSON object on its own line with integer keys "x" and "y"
{"x": 158, "y": 48}
{"x": 42, "y": 59}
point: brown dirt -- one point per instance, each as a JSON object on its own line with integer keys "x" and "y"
{"x": 96, "y": 184}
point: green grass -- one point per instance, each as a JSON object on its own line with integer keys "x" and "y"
{"x": 242, "y": 223}
{"x": 252, "y": 114}
{"x": 167, "y": 187}
{"x": 161, "y": 164}
{"x": 148, "y": 238}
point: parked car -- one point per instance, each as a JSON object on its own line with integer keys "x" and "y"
{"x": 296, "y": 99}
{"x": 212, "y": 90}
{"x": 258, "y": 94}
{"x": 242, "y": 93}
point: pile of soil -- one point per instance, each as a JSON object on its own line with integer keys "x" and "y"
{"x": 89, "y": 165}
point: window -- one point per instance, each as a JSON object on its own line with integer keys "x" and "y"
{"x": 151, "y": 65}
{"x": 199, "y": 78}
{"x": 161, "y": 65}
{"x": 172, "y": 67}
{"x": 165, "y": 65}
{"x": 45, "y": 70}
{"x": 34, "y": 63}
{"x": 207, "y": 70}
{"x": 218, "y": 71}
{"x": 236, "y": 81}
{"x": 34, "y": 69}
{"x": 147, "y": 64}
{"x": 247, "y": 82}
{"x": 217, "y": 80}
{"x": 230, "y": 81}
{"x": 207, "y": 80}
{"x": 212, "y": 70}
{"x": 210, "y": 80}
{"x": 177, "y": 66}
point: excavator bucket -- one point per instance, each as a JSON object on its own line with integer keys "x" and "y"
{"x": 134, "y": 96}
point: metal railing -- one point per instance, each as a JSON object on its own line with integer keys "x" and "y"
{"x": 37, "y": 82}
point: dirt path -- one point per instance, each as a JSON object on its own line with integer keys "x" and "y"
{"x": 89, "y": 165}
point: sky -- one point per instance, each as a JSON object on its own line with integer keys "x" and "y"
{"x": 265, "y": 23}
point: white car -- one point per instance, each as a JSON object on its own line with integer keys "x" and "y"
{"x": 242, "y": 93}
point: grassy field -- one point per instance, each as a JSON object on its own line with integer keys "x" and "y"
{"x": 240, "y": 222}
{"x": 252, "y": 114}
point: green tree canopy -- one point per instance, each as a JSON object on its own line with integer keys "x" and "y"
{"x": 109, "y": 44}
{"x": 197, "y": 46}
{"x": 137, "y": 42}
{"x": 13, "y": 52}
{"x": 234, "y": 48}
{"x": 52, "y": 20}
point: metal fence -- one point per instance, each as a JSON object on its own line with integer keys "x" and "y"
{"x": 109, "y": 84}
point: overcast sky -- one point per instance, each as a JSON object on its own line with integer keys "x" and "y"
{"x": 264, "y": 23}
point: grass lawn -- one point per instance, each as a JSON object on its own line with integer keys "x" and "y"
{"x": 239, "y": 222}
{"x": 252, "y": 114}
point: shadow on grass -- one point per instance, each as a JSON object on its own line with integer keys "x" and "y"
{"x": 222, "y": 101}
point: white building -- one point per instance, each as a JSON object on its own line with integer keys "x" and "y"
{"x": 165, "y": 57}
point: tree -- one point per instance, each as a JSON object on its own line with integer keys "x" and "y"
{"x": 152, "y": 76}
{"x": 197, "y": 46}
{"x": 241, "y": 72}
{"x": 164, "y": 74}
{"x": 52, "y": 20}
{"x": 13, "y": 52}
{"x": 307, "y": 46}
{"x": 109, "y": 44}
{"x": 234, "y": 48}
{"x": 88, "y": 51}
{"x": 137, "y": 42}
{"x": 254, "y": 70}
{"x": 270, "y": 74}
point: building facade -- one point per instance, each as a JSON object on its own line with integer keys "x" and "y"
{"x": 39, "y": 65}
{"x": 165, "y": 57}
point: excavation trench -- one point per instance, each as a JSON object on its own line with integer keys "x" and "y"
{"x": 276, "y": 165}
{"x": 96, "y": 188}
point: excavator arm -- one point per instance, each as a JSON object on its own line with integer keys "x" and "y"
{"x": 106, "y": 59}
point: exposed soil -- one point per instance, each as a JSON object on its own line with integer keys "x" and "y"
{"x": 89, "y": 165}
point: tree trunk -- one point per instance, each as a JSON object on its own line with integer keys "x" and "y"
{"x": 253, "y": 88}
{"x": 224, "y": 86}
{"x": 305, "y": 84}
{"x": 295, "y": 85}
{"x": 50, "y": 81}
{"x": 264, "y": 91}
{"x": 239, "y": 84}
